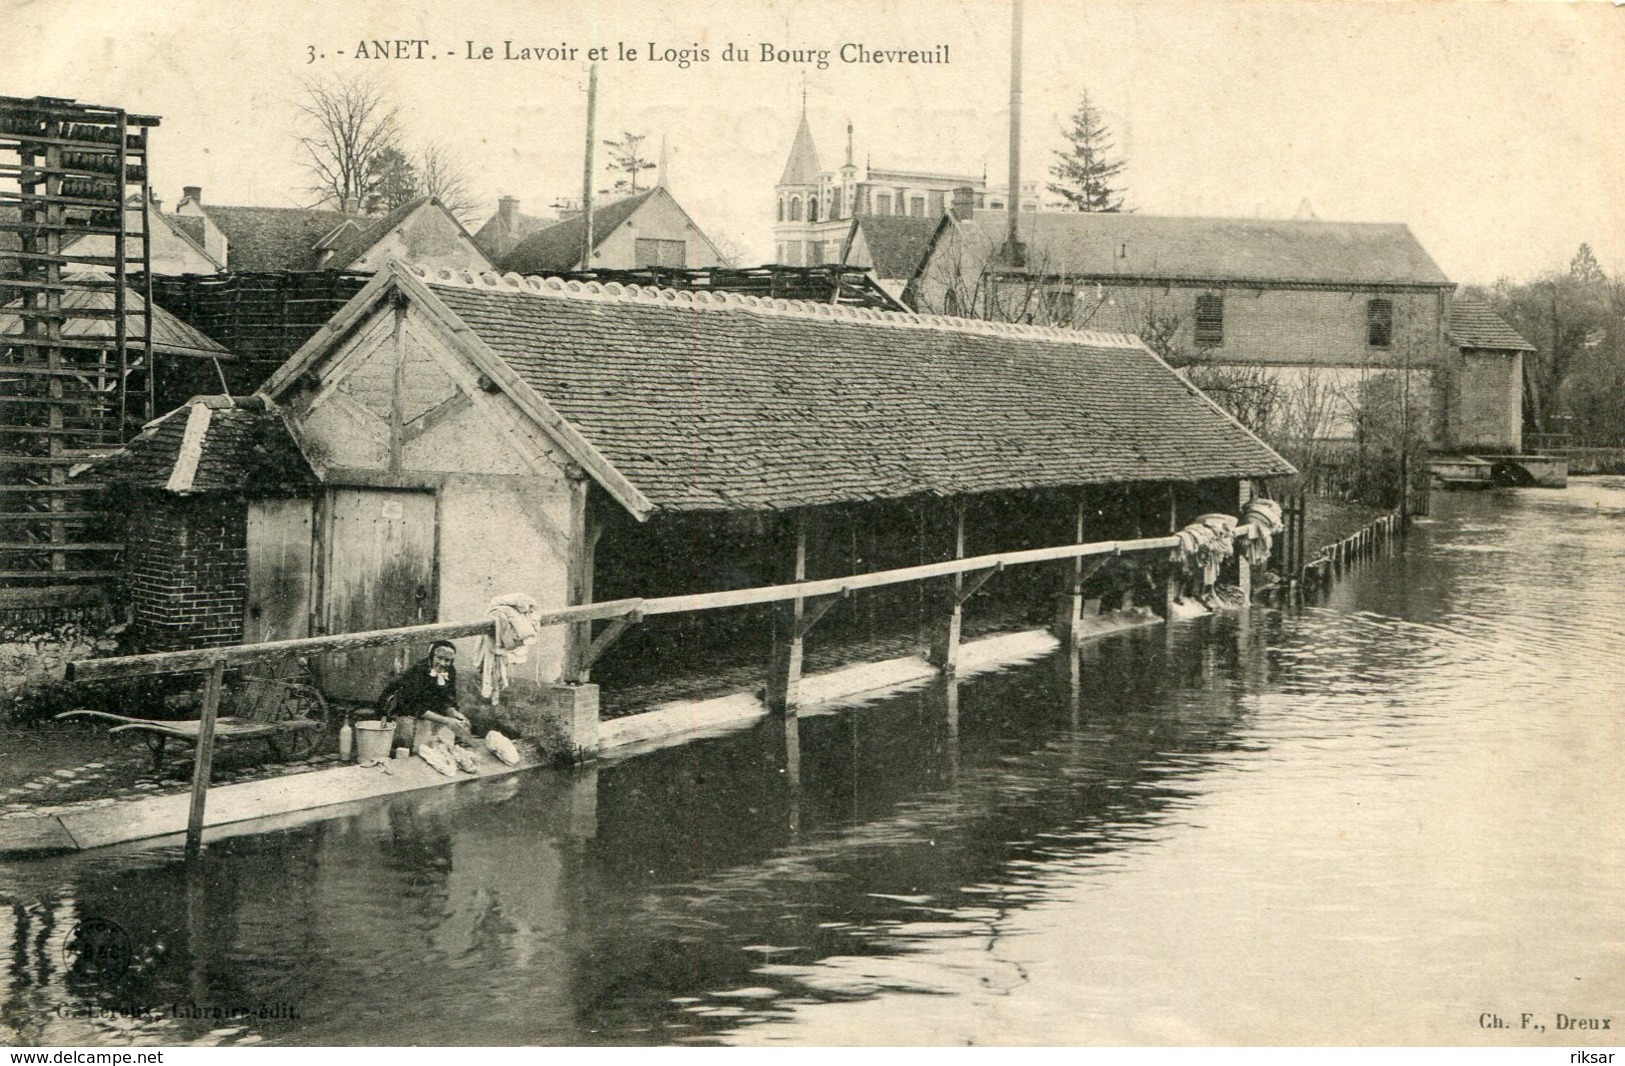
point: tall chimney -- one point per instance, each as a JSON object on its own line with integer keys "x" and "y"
{"x": 586, "y": 168}
{"x": 508, "y": 210}
{"x": 1013, "y": 252}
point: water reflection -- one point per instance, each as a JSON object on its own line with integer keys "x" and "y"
{"x": 1147, "y": 801}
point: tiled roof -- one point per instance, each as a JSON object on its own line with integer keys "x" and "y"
{"x": 722, "y": 402}
{"x": 497, "y": 237}
{"x": 1474, "y": 324}
{"x": 169, "y": 334}
{"x": 802, "y": 167}
{"x": 355, "y": 241}
{"x": 275, "y": 238}
{"x": 896, "y": 243}
{"x": 240, "y": 444}
{"x": 558, "y": 247}
{"x": 1219, "y": 249}
{"x": 191, "y": 225}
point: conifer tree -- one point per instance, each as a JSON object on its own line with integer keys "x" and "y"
{"x": 1085, "y": 171}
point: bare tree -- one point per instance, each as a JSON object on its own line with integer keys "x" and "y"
{"x": 348, "y": 123}
{"x": 443, "y": 176}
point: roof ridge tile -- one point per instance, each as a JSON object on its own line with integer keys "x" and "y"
{"x": 551, "y": 286}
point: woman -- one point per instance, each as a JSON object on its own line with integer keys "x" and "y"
{"x": 423, "y": 700}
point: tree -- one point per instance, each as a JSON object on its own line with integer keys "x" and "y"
{"x": 392, "y": 180}
{"x": 626, "y": 156}
{"x": 1085, "y": 171}
{"x": 347, "y": 123}
{"x": 1574, "y": 320}
{"x": 443, "y": 176}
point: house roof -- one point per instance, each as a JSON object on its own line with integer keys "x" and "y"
{"x": 802, "y": 167}
{"x": 708, "y": 402}
{"x": 1474, "y": 324}
{"x": 275, "y": 238}
{"x": 558, "y": 247}
{"x": 169, "y": 334}
{"x": 897, "y": 243}
{"x": 1215, "y": 249}
{"x": 191, "y": 225}
{"x": 499, "y": 235}
{"x": 355, "y": 240}
{"x": 211, "y": 444}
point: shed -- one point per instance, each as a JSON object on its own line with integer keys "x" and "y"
{"x": 217, "y": 545}
{"x": 1487, "y": 389}
{"x": 476, "y": 435}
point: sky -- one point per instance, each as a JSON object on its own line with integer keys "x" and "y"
{"x": 1493, "y": 129}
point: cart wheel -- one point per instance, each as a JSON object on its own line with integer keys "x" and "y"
{"x": 301, "y": 742}
{"x": 306, "y": 703}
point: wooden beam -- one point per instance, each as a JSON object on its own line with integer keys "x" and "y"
{"x": 817, "y": 609}
{"x": 204, "y": 761}
{"x": 1069, "y": 613}
{"x": 202, "y": 659}
{"x": 600, "y": 645}
{"x": 784, "y": 671}
{"x": 946, "y": 629}
{"x": 193, "y": 660}
{"x": 975, "y": 584}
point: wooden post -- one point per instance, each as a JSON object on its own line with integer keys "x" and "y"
{"x": 1070, "y": 613}
{"x": 784, "y": 673}
{"x": 944, "y": 653}
{"x": 1171, "y": 590}
{"x": 205, "y": 757}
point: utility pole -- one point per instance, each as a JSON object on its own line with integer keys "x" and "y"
{"x": 587, "y": 168}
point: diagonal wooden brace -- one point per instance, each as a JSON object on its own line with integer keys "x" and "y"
{"x": 816, "y": 609}
{"x": 602, "y": 641}
{"x": 974, "y": 584}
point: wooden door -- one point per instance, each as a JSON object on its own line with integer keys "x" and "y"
{"x": 380, "y": 574}
{"x": 278, "y": 606}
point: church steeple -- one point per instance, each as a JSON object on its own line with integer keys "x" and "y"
{"x": 802, "y": 167}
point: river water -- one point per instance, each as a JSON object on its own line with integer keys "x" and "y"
{"x": 1392, "y": 818}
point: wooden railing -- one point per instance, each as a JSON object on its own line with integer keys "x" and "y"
{"x": 823, "y": 593}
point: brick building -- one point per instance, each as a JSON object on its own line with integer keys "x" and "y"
{"x": 1303, "y": 302}
{"x": 197, "y": 488}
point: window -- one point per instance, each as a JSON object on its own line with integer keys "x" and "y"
{"x": 883, "y": 203}
{"x": 781, "y": 209}
{"x": 916, "y": 207}
{"x": 835, "y": 204}
{"x": 812, "y": 209}
{"x": 950, "y": 303}
{"x": 937, "y": 205}
{"x": 647, "y": 251}
{"x": 1058, "y": 306}
{"x": 1379, "y": 323}
{"x": 795, "y": 209}
{"x": 1209, "y": 321}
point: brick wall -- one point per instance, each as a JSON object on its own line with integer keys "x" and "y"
{"x": 187, "y": 561}
{"x": 1297, "y": 327}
